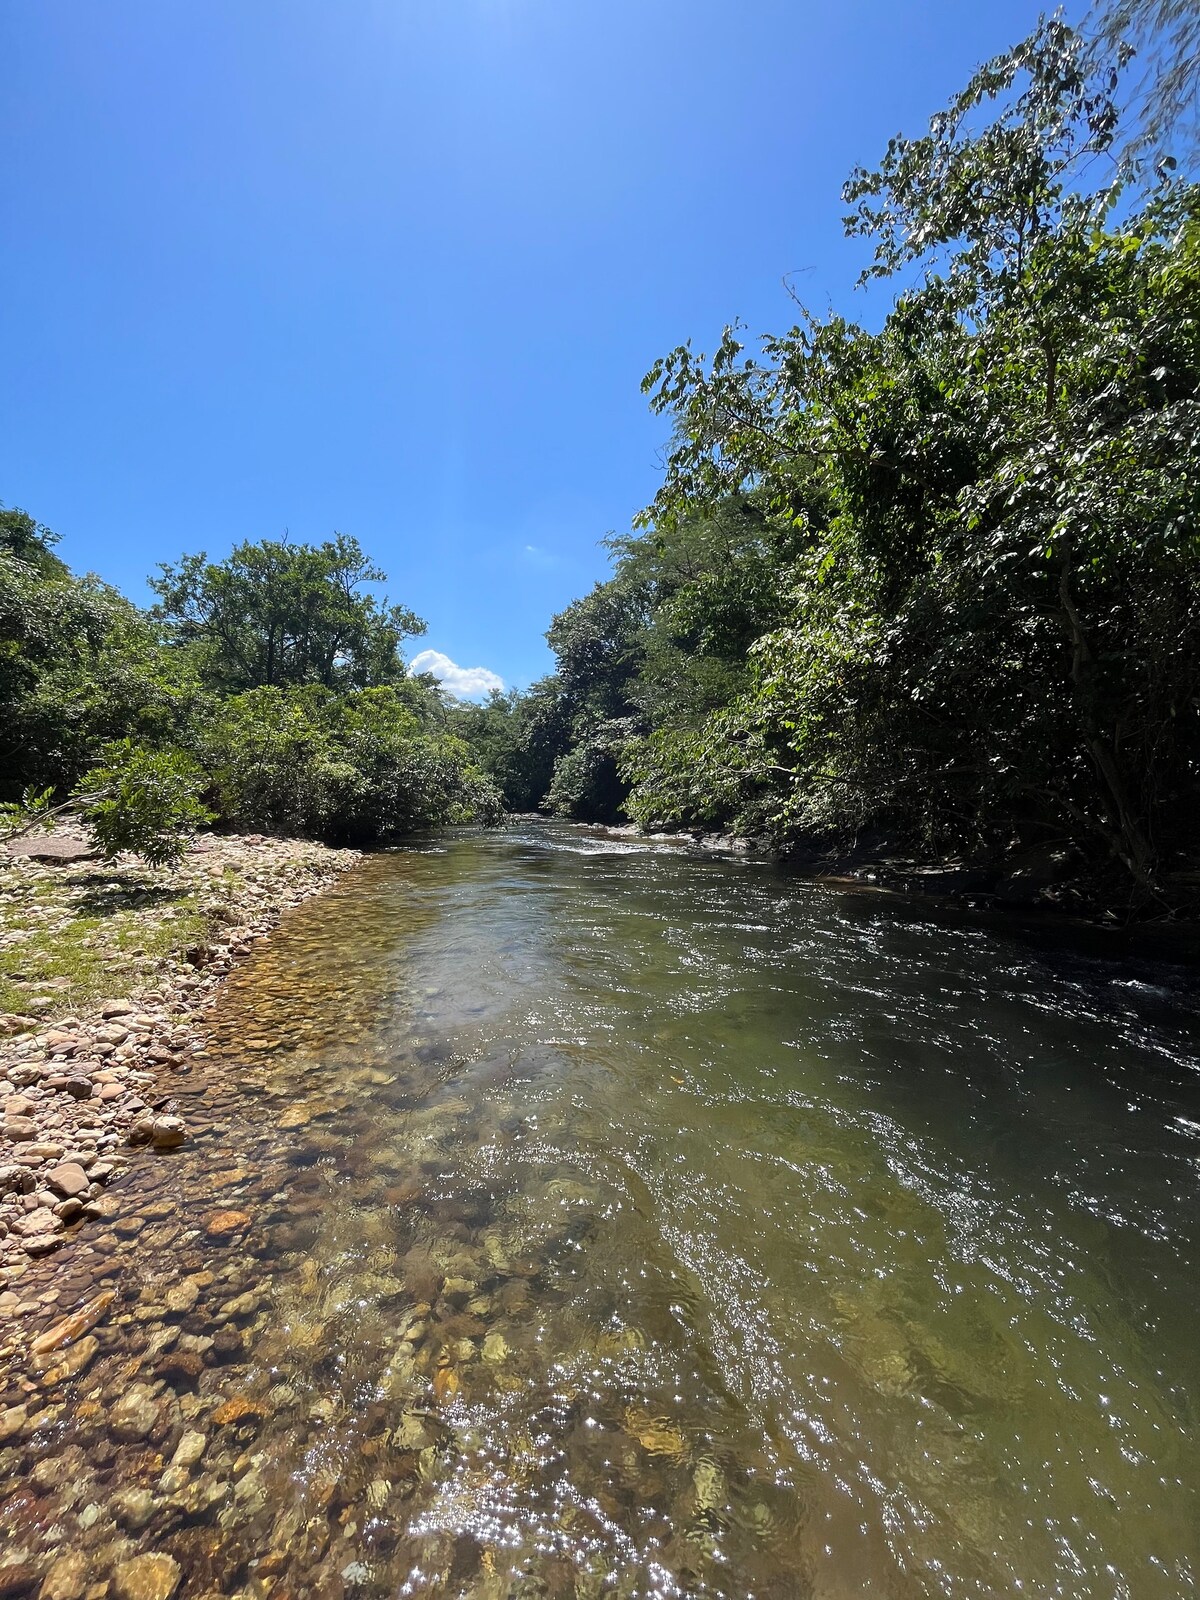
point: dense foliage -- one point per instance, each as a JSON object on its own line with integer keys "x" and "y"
{"x": 936, "y": 583}
{"x": 266, "y": 691}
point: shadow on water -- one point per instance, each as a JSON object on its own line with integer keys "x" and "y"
{"x": 572, "y": 1218}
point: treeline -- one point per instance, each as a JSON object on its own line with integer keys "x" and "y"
{"x": 267, "y": 691}
{"x": 935, "y": 586}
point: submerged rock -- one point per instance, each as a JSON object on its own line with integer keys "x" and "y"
{"x": 133, "y": 1508}
{"x": 135, "y": 1413}
{"x": 168, "y": 1133}
{"x": 76, "y": 1358}
{"x": 223, "y": 1223}
{"x": 68, "y": 1578}
{"x": 148, "y": 1577}
{"x": 74, "y": 1326}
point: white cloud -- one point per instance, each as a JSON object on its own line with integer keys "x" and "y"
{"x": 464, "y": 683}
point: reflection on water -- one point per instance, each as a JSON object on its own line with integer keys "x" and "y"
{"x": 576, "y": 1218}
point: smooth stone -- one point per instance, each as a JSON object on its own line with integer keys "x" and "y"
{"x": 12, "y": 1420}
{"x": 133, "y": 1508}
{"x": 495, "y": 1349}
{"x": 222, "y": 1223}
{"x": 134, "y": 1414}
{"x": 73, "y": 1326}
{"x": 179, "y": 1366}
{"x": 74, "y": 1360}
{"x": 182, "y": 1297}
{"x": 189, "y": 1449}
{"x": 168, "y": 1133}
{"x": 69, "y": 1180}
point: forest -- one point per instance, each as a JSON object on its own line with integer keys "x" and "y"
{"x": 931, "y": 588}
{"x": 264, "y": 692}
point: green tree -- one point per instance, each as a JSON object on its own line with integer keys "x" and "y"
{"x": 355, "y": 768}
{"x": 143, "y": 801}
{"x": 29, "y": 541}
{"x": 80, "y": 666}
{"x": 277, "y": 613}
{"x": 939, "y": 581}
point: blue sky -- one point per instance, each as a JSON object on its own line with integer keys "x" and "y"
{"x": 397, "y": 269}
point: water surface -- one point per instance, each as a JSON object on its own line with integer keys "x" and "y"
{"x": 621, "y": 1221}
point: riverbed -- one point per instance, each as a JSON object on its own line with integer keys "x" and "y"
{"x": 569, "y": 1216}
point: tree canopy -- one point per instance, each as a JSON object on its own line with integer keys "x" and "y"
{"x": 276, "y": 613}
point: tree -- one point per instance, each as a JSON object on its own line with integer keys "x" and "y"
{"x": 80, "y": 666}
{"x": 29, "y": 541}
{"x": 1164, "y": 35}
{"x": 939, "y": 581}
{"x": 356, "y": 767}
{"x": 278, "y": 613}
{"x": 142, "y": 801}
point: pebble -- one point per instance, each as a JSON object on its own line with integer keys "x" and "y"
{"x": 73, "y": 1326}
{"x": 182, "y": 1297}
{"x": 12, "y": 1420}
{"x": 167, "y": 1133}
{"x": 222, "y": 1223}
{"x": 189, "y": 1449}
{"x": 74, "y": 1360}
{"x": 133, "y": 1508}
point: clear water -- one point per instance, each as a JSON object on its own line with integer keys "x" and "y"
{"x": 629, "y": 1222}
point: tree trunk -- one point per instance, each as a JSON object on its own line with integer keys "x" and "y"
{"x": 1135, "y": 850}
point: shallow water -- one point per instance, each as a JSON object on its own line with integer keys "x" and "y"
{"x": 618, "y": 1221}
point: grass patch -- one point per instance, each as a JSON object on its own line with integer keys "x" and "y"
{"x": 54, "y": 942}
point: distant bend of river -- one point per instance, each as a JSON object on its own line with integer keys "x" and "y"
{"x": 634, "y": 1222}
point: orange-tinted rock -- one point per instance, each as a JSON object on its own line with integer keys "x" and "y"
{"x": 237, "y": 1410}
{"x": 74, "y": 1360}
{"x": 222, "y": 1223}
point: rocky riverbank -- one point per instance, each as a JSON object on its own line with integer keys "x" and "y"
{"x": 107, "y": 970}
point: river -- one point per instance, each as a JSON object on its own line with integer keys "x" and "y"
{"x": 571, "y": 1216}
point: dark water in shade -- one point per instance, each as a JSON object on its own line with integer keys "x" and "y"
{"x": 635, "y": 1223}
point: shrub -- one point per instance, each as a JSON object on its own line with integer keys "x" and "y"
{"x": 352, "y": 768}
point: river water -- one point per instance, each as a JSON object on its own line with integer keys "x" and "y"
{"x": 612, "y": 1220}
